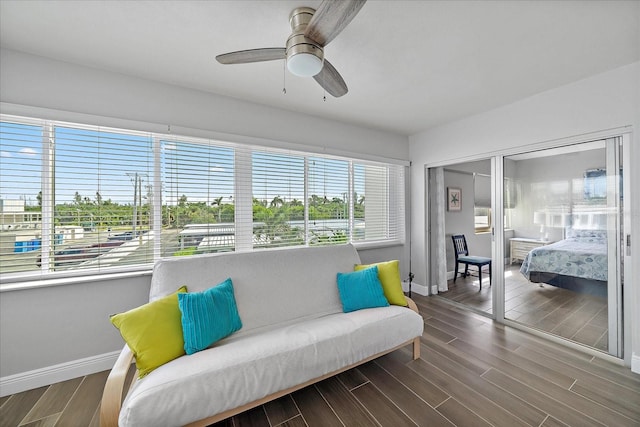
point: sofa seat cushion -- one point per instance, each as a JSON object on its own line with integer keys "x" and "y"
{"x": 243, "y": 368}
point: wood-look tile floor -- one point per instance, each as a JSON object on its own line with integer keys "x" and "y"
{"x": 578, "y": 317}
{"x": 472, "y": 372}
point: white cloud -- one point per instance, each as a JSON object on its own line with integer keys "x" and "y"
{"x": 28, "y": 151}
{"x": 5, "y": 154}
{"x": 216, "y": 169}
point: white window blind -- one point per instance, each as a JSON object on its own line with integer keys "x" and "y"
{"x": 21, "y": 164}
{"x": 102, "y": 198}
{"x": 379, "y": 202}
{"x": 482, "y": 190}
{"x": 329, "y": 201}
{"x": 77, "y": 199}
{"x": 278, "y": 199}
{"x": 198, "y": 197}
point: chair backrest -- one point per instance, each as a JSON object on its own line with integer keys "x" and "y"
{"x": 459, "y": 245}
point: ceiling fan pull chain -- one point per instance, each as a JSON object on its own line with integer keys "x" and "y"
{"x": 324, "y": 95}
{"x": 284, "y": 77}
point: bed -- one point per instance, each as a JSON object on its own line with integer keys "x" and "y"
{"x": 578, "y": 263}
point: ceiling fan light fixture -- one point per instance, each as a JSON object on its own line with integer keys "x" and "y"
{"x": 305, "y": 57}
{"x": 304, "y": 64}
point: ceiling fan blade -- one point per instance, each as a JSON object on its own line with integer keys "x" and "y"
{"x": 331, "y": 80}
{"x": 252, "y": 55}
{"x": 331, "y": 18}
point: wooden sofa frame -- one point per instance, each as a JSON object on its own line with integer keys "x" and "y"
{"x": 114, "y": 389}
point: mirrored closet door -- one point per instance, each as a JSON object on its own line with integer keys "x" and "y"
{"x": 564, "y": 242}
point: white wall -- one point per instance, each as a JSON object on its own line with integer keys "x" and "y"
{"x": 46, "y": 327}
{"x": 606, "y": 101}
{"x": 39, "y": 82}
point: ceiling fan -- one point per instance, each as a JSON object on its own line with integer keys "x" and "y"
{"x": 311, "y": 31}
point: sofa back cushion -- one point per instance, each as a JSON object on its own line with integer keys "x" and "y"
{"x": 271, "y": 286}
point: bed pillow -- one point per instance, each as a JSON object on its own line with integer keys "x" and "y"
{"x": 208, "y": 316}
{"x": 389, "y": 276}
{"x": 153, "y": 332}
{"x": 587, "y": 235}
{"x": 361, "y": 289}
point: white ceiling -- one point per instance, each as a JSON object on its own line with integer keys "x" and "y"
{"x": 409, "y": 65}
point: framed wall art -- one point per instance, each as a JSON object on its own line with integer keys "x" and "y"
{"x": 454, "y": 199}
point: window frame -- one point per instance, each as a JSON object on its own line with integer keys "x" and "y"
{"x": 242, "y": 152}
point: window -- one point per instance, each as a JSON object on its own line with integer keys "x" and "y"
{"x": 329, "y": 201}
{"x": 84, "y": 199}
{"x": 21, "y": 203}
{"x": 198, "y": 211}
{"x": 482, "y": 219}
{"x": 278, "y": 202}
{"x": 102, "y": 198}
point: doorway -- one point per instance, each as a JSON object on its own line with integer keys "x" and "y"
{"x": 460, "y": 197}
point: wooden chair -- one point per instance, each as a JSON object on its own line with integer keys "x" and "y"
{"x": 461, "y": 252}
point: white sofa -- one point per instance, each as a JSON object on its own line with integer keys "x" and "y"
{"x": 294, "y": 333}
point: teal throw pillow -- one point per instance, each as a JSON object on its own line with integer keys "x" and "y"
{"x": 208, "y": 316}
{"x": 361, "y": 289}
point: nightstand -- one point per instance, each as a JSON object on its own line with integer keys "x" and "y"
{"x": 520, "y": 247}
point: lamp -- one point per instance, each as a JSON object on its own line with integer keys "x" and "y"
{"x": 540, "y": 218}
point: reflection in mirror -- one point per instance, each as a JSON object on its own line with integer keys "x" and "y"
{"x": 556, "y": 279}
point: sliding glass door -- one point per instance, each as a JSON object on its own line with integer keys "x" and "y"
{"x": 563, "y": 243}
{"x": 553, "y": 225}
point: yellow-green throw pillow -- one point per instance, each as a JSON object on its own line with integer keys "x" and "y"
{"x": 389, "y": 275}
{"x": 153, "y": 332}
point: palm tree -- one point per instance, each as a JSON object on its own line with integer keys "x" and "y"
{"x": 258, "y": 202}
{"x": 314, "y": 200}
{"x": 218, "y": 202}
{"x": 277, "y": 202}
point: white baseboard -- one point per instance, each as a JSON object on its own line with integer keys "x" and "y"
{"x": 23, "y": 381}
{"x": 635, "y": 363}
{"x": 417, "y": 288}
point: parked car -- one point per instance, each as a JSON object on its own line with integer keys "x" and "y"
{"x": 127, "y": 235}
{"x": 77, "y": 254}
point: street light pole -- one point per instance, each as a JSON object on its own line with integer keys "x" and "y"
{"x": 135, "y": 200}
